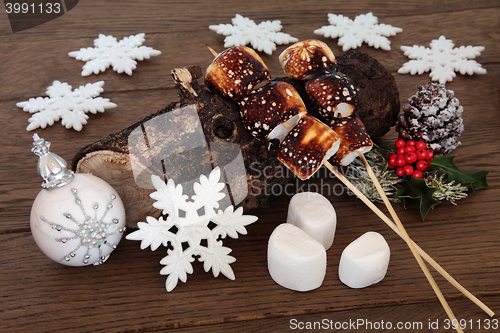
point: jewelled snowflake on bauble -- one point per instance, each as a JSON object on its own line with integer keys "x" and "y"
{"x": 108, "y": 52}
{"x": 263, "y": 37}
{"x": 352, "y": 33}
{"x": 91, "y": 234}
{"x": 63, "y": 103}
{"x": 192, "y": 228}
{"x": 442, "y": 59}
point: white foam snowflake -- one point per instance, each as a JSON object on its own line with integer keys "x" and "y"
{"x": 63, "y": 103}
{"x": 108, "y": 51}
{"x": 352, "y": 33}
{"x": 263, "y": 37}
{"x": 192, "y": 228}
{"x": 442, "y": 59}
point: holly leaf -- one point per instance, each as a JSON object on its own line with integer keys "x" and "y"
{"x": 476, "y": 178}
{"x": 416, "y": 188}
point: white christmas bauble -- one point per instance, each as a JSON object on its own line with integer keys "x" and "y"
{"x": 80, "y": 223}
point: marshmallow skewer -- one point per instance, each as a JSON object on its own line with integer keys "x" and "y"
{"x": 254, "y": 80}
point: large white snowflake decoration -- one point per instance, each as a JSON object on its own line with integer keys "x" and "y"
{"x": 352, "y": 33}
{"x": 69, "y": 106}
{"x": 263, "y": 37}
{"x": 108, "y": 51}
{"x": 192, "y": 228}
{"x": 442, "y": 59}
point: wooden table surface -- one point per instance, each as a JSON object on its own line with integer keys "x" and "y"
{"x": 127, "y": 293}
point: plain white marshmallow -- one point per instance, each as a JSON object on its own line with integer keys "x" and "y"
{"x": 365, "y": 261}
{"x": 295, "y": 260}
{"x": 313, "y": 213}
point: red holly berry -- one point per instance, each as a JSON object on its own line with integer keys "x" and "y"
{"x": 400, "y": 143}
{"x": 417, "y": 174}
{"x": 408, "y": 169}
{"x": 422, "y": 165}
{"x": 400, "y": 172}
{"x": 410, "y": 149}
{"x": 401, "y": 161}
{"x": 421, "y": 154}
{"x": 421, "y": 145}
{"x": 411, "y": 143}
{"x": 410, "y": 158}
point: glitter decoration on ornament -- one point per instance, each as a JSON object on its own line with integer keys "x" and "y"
{"x": 263, "y": 36}
{"x": 76, "y": 219}
{"x": 69, "y": 106}
{"x": 121, "y": 55}
{"x": 442, "y": 59}
{"x": 91, "y": 233}
{"x": 352, "y": 33}
{"x": 193, "y": 228}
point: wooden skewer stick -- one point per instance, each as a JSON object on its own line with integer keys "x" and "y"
{"x": 215, "y": 54}
{"x": 406, "y": 238}
{"x": 391, "y": 225}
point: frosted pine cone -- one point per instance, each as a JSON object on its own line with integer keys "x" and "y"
{"x": 434, "y": 116}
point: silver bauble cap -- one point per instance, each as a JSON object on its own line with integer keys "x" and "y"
{"x": 51, "y": 167}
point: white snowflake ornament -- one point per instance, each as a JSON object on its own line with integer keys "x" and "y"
{"x": 108, "y": 52}
{"x": 352, "y": 33}
{"x": 69, "y": 106}
{"x": 442, "y": 59}
{"x": 193, "y": 227}
{"x": 263, "y": 37}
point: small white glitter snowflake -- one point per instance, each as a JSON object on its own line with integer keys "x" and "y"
{"x": 62, "y": 103}
{"x": 192, "y": 228}
{"x": 108, "y": 51}
{"x": 442, "y": 59}
{"x": 352, "y": 33}
{"x": 263, "y": 37}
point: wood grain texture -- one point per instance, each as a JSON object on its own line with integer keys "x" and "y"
{"x": 127, "y": 294}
